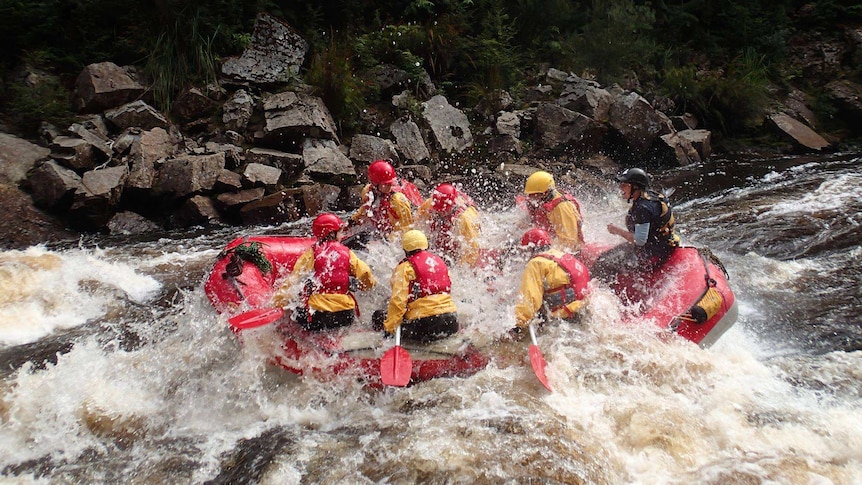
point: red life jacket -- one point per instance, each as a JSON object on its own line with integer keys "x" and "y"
{"x": 380, "y": 210}
{"x": 579, "y": 276}
{"x": 443, "y": 227}
{"x": 539, "y": 214}
{"x": 332, "y": 267}
{"x": 432, "y": 275}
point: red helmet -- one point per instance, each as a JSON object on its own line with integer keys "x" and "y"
{"x": 381, "y": 172}
{"x": 443, "y": 197}
{"x": 536, "y": 237}
{"x": 325, "y": 224}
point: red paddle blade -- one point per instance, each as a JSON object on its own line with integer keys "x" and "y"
{"x": 538, "y": 363}
{"x": 255, "y": 318}
{"x": 396, "y": 367}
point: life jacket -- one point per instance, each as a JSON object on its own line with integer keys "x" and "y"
{"x": 432, "y": 275}
{"x": 380, "y": 211}
{"x": 443, "y": 229}
{"x": 539, "y": 214}
{"x": 579, "y": 276}
{"x": 331, "y": 273}
{"x": 331, "y": 267}
{"x": 660, "y": 232}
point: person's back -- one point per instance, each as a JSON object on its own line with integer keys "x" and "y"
{"x": 553, "y": 280}
{"x": 421, "y": 302}
{"x": 325, "y": 271}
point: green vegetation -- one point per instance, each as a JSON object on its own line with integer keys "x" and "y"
{"x": 714, "y": 58}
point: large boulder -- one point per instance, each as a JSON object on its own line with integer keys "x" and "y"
{"x": 450, "y": 125}
{"x": 103, "y": 86}
{"x": 17, "y": 157}
{"x": 291, "y": 117}
{"x": 409, "y": 140}
{"x": 804, "y": 137}
{"x": 23, "y": 225}
{"x": 275, "y": 55}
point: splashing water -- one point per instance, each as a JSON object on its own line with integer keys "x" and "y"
{"x": 776, "y": 400}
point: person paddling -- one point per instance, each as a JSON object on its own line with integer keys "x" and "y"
{"x": 421, "y": 303}
{"x": 325, "y": 270}
{"x": 553, "y": 284}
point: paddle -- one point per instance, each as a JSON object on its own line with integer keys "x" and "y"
{"x": 396, "y": 365}
{"x": 537, "y": 361}
{"x": 255, "y": 318}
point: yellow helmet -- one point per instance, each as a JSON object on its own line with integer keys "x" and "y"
{"x": 539, "y": 183}
{"x": 413, "y": 240}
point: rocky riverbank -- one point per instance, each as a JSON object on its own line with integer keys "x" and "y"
{"x": 259, "y": 148}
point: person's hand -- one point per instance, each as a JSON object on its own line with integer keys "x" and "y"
{"x": 516, "y": 334}
{"x": 613, "y": 229}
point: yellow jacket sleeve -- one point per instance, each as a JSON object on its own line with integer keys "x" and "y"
{"x": 360, "y": 270}
{"x": 402, "y": 213}
{"x": 360, "y": 215}
{"x": 468, "y": 231}
{"x": 531, "y": 292}
{"x": 303, "y": 266}
{"x": 423, "y": 212}
{"x": 564, "y": 219}
{"x": 400, "y": 282}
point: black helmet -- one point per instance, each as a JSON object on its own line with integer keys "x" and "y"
{"x": 634, "y": 176}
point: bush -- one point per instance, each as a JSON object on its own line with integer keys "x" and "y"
{"x": 730, "y": 102}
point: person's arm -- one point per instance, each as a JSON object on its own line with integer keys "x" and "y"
{"x": 468, "y": 232}
{"x": 565, "y": 220}
{"x": 401, "y": 278}
{"x": 358, "y": 217}
{"x": 360, "y": 270}
{"x": 619, "y": 231}
{"x": 402, "y": 219}
{"x": 304, "y": 265}
{"x": 423, "y": 212}
{"x": 531, "y": 293}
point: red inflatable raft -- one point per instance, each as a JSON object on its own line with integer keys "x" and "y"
{"x": 243, "y": 278}
{"x": 689, "y": 295}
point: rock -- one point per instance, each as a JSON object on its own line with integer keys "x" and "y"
{"x": 324, "y": 162}
{"x": 291, "y": 117}
{"x": 192, "y": 104}
{"x": 184, "y": 176}
{"x": 508, "y": 123}
{"x": 409, "y": 140}
{"x": 637, "y": 122}
{"x": 802, "y": 135}
{"x": 198, "y": 210}
{"x": 277, "y": 208}
{"x": 256, "y": 175}
{"x": 54, "y": 186}
{"x": 136, "y": 114}
{"x": 367, "y": 148}
{"x": 103, "y": 86}
{"x": 73, "y": 153}
{"x": 237, "y": 111}
{"x": 17, "y": 157}
{"x": 128, "y": 223}
{"x": 275, "y": 55}
{"x": 557, "y": 127}
{"x": 23, "y": 225}
{"x": 450, "y": 126}
{"x": 290, "y": 164}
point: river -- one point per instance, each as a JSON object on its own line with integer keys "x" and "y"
{"x": 115, "y": 368}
